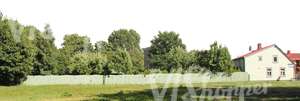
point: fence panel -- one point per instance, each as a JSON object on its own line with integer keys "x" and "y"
{"x": 135, "y": 79}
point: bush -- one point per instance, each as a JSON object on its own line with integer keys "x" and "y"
{"x": 11, "y": 76}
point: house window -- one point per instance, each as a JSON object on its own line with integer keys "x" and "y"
{"x": 260, "y": 58}
{"x": 282, "y": 72}
{"x": 298, "y": 63}
{"x": 275, "y": 59}
{"x": 269, "y": 72}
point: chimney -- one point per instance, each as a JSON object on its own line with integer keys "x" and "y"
{"x": 288, "y": 52}
{"x": 258, "y": 46}
{"x": 250, "y": 48}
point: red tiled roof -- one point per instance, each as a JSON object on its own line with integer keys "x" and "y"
{"x": 255, "y": 51}
{"x": 294, "y": 56}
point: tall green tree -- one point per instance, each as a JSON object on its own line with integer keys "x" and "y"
{"x": 128, "y": 40}
{"x": 161, "y": 46}
{"x": 73, "y": 44}
{"x": 219, "y": 59}
{"x": 15, "y": 58}
{"x": 46, "y": 54}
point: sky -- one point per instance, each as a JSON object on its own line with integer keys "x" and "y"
{"x": 236, "y": 24}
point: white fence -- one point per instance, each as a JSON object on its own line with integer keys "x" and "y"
{"x": 134, "y": 79}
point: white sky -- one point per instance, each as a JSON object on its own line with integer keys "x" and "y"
{"x": 235, "y": 23}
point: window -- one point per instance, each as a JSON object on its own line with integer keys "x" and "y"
{"x": 282, "y": 72}
{"x": 275, "y": 59}
{"x": 269, "y": 72}
{"x": 298, "y": 63}
{"x": 259, "y": 58}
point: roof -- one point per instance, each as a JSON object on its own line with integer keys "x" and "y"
{"x": 294, "y": 56}
{"x": 255, "y": 51}
{"x": 263, "y": 48}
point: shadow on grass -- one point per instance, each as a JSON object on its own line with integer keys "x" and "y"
{"x": 273, "y": 94}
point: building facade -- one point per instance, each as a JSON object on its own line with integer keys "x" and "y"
{"x": 295, "y": 57}
{"x": 266, "y": 63}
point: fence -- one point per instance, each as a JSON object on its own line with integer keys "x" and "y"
{"x": 135, "y": 79}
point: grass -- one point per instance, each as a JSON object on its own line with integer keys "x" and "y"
{"x": 277, "y": 90}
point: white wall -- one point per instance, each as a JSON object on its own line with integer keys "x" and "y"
{"x": 135, "y": 79}
{"x": 257, "y": 69}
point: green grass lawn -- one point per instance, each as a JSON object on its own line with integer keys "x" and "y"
{"x": 281, "y": 90}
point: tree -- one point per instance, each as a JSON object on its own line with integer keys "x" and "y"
{"x": 193, "y": 57}
{"x": 202, "y": 58}
{"x": 137, "y": 59}
{"x": 178, "y": 58}
{"x": 73, "y": 44}
{"x": 16, "y": 59}
{"x": 1, "y": 15}
{"x": 161, "y": 46}
{"x": 128, "y": 40}
{"x": 219, "y": 59}
{"x": 124, "y": 39}
{"x": 46, "y": 53}
{"x": 119, "y": 62}
{"x": 225, "y": 61}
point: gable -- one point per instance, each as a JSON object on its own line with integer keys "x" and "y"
{"x": 268, "y": 54}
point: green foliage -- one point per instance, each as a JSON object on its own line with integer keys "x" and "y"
{"x": 178, "y": 58}
{"x": 87, "y": 63}
{"x": 79, "y": 65}
{"x": 217, "y": 59}
{"x": 193, "y": 57}
{"x": 202, "y": 58}
{"x": 73, "y": 44}
{"x": 119, "y": 62}
{"x": 137, "y": 59}
{"x": 102, "y": 46}
{"x": 63, "y": 62}
{"x": 128, "y": 40}
{"x": 161, "y": 46}
{"x": 46, "y": 53}
{"x": 97, "y": 63}
{"x": 15, "y": 57}
{"x": 26, "y": 50}
{"x": 124, "y": 39}
{"x": 1, "y": 15}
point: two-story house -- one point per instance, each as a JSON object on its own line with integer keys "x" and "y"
{"x": 266, "y": 63}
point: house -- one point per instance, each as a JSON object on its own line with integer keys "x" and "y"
{"x": 266, "y": 63}
{"x": 295, "y": 57}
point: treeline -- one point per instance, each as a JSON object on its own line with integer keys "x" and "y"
{"x": 25, "y": 50}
